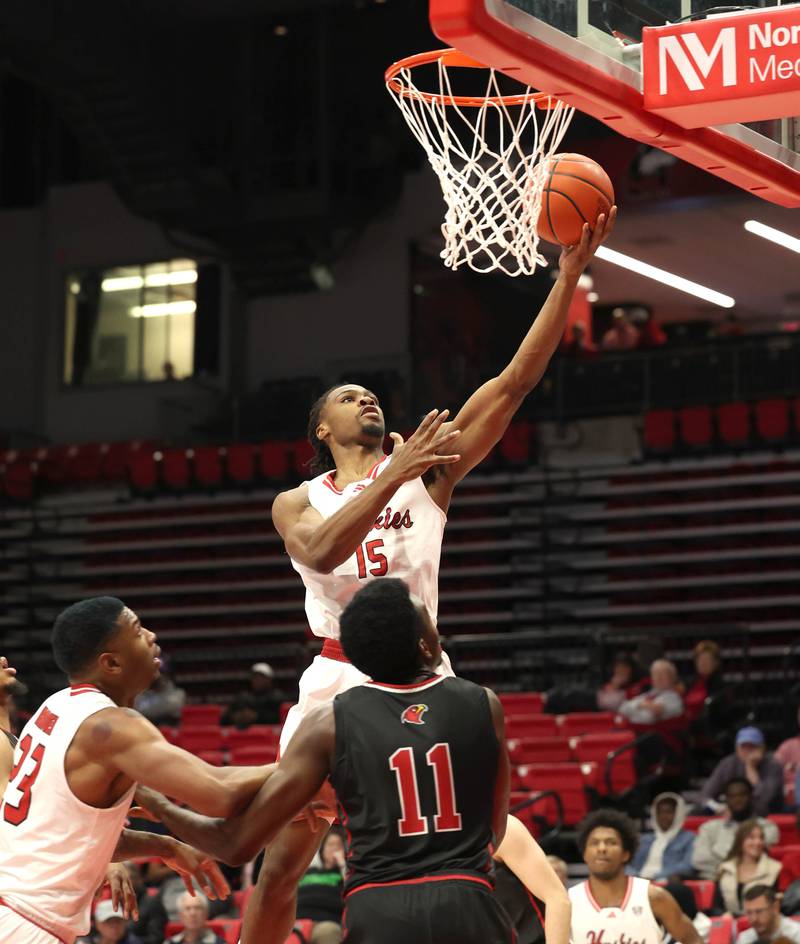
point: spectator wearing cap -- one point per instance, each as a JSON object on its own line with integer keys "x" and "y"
{"x": 260, "y": 703}
{"x": 752, "y": 762}
{"x": 193, "y": 912}
{"x": 111, "y": 926}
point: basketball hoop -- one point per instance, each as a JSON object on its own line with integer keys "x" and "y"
{"x": 488, "y": 152}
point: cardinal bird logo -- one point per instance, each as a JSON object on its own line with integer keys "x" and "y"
{"x": 413, "y": 714}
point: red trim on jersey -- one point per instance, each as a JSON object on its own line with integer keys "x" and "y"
{"x": 329, "y": 483}
{"x": 332, "y": 649}
{"x": 413, "y": 687}
{"x": 55, "y": 937}
{"x": 625, "y": 899}
{"x": 82, "y": 689}
{"x": 420, "y": 881}
{"x": 373, "y": 472}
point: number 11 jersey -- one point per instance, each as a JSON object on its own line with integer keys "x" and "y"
{"x": 414, "y": 772}
{"x": 404, "y": 542}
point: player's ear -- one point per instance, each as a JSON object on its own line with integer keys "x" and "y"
{"x": 322, "y": 432}
{"x": 109, "y": 662}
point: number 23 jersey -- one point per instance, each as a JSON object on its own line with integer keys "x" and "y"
{"x": 404, "y": 542}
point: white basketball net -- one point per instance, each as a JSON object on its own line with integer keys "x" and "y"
{"x": 493, "y": 191}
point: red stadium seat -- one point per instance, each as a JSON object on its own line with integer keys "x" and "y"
{"x": 787, "y": 826}
{"x": 693, "y": 823}
{"x": 533, "y": 750}
{"x": 596, "y": 748}
{"x": 259, "y": 735}
{"x": 200, "y": 738}
{"x": 695, "y": 426}
{"x": 286, "y": 706}
{"x": 302, "y": 453}
{"x": 703, "y": 891}
{"x": 175, "y": 468}
{"x": 143, "y": 471}
{"x": 519, "y": 726}
{"x": 193, "y": 715}
{"x": 721, "y": 931}
{"x": 521, "y": 703}
{"x": 18, "y": 480}
{"x": 274, "y": 460}
{"x": 789, "y": 856}
{"x": 253, "y": 755}
{"x": 87, "y": 464}
{"x": 567, "y": 780}
{"x": 240, "y": 463}
{"x": 207, "y": 464}
{"x": 585, "y": 722}
{"x": 215, "y": 758}
{"x": 659, "y": 431}
{"x": 515, "y": 445}
{"x": 733, "y": 422}
{"x": 772, "y": 420}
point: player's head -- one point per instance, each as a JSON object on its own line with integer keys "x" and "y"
{"x": 346, "y": 414}
{"x": 102, "y": 641}
{"x": 607, "y": 840}
{"x": 387, "y": 634}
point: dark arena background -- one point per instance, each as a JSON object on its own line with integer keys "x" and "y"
{"x": 210, "y": 214}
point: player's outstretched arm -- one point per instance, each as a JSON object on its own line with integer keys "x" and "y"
{"x": 292, "y": 785}
{"x": 187, "y": 862}
{"x": 123, "y": 739}
{"x": 668, "y": 914}
{"x": 324, "y": 543}
{"x": 524, "y": 856}
{"x": 487, "y": 413}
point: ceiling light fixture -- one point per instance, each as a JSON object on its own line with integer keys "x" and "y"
{"x": 666, "y": 278}
{"x": 773, "y": 235}
{"x": 164, "y": 308}
{"x": 156, "y": 280}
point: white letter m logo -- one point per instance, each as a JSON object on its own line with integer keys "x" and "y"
{"x": 694, "y": 62}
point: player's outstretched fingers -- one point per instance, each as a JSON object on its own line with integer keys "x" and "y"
{"x": 213, "y": 881}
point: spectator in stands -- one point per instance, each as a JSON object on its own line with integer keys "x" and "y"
{"x": 661, "y": 702}
{"x": 751, "y": 761}
{"x": 111, "y": 927}
{"x": 622, "y": 335}
{"x": 767, "y": 924}
{"x": 665, "y": 853}
{"x": 707, "y": 681}
{"x": 788, "y": 754}
{"x": 715, "y": 837}
{"x": 559, "y": 867}
{"x": 625, "y": 683}
{"x": 747, "y": 866}
{"x": 261, "y": 703}
{"x": 319, "y": 895}
{"x": 163, "y": 702}
{"x": 149, "y": 927}
{"x": 193, "y": 910}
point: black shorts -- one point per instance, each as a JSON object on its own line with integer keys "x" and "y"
{"x": 448, "y": 911}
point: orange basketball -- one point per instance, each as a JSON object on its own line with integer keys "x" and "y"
{"x": 577, "y": 190}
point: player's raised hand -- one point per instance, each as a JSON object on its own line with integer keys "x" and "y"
{"x": 429, "y": 445}
{"x": 123, "y": 894}
{"x": 190, "y": 863}
{"x": 574, "y": 259}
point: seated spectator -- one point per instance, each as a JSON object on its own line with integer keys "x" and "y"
{"x": 260, "y": 703}
{"x": 767, "y": 924}
{"x": 707, "y": 681}
{"x": 622, "y": 335}
{"x": 559, "y": 867}
{"x": 149, "y": 926}
{"x": 715, "y": 838}
{"x": 751, "y": 761}
{"x": 661, "y": 702}
{"x": 163, "y": 701}
{"x": 625, "y": 682}
{"x": 319, "y": 895}
{"x": 193, "y": 915}
{"x": 665, "y": 853}
{"x": 111, "y": 927}
{"x": 788, "y": 754}
{"x": 747, "y": 866}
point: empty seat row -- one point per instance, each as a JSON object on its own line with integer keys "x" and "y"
{"x": 733, "y": 425}
{"x": 569, "y": 725}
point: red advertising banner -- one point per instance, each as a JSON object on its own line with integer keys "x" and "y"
{"x": 730, "y": 68}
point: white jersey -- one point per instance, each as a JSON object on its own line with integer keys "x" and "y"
{"x": 633, "y": 922}
{"x": 54, "y": 849}
{"x": 404, "y": 542}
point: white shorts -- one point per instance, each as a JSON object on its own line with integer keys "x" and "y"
{"x": 321, "y": 682}
{"x": 14, "y": 927}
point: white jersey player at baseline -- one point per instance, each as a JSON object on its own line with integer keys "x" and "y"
{"x": 611, "y": 907}
{"x": 76, "y": 767}
{"x": 365, "y": 516}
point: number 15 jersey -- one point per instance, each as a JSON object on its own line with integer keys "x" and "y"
{"x": 404, "y": 542}
{"x": 414, "y": 772}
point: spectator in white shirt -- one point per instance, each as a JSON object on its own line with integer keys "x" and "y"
{"x": 661, "y": 701}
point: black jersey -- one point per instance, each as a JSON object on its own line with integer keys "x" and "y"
{"x": 414, "y": 772}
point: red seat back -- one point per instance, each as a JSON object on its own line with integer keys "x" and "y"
{"x": 254, "y": 755}
{"x": 703, "y": 891}
{"x": 143, "y": 471}
{"x": 772, "y": 419}
{"x": 695, "y": 425}
{"x": 787, "y": 827}
{"x": 733, "y": 421}
{"x": 175, "y": 468}
{"x": 659, "y": 430}
{"x": 693, "y": 823}
{"x": 193, "y": 715}
{"x": 519, "y": 726}
{"x": 200, "y": 738}
{"x": 240, "y": 462}
{"x": 586, "y": 722}
{"x": 207, "y": 466}
{"x": 532, "y": 750}
{"x": 596, "y": 748}
{"x": 515, "y": 445}
{"x": 567, "y": 780}
{"x": 274, "y": 460}
{"x": 302, "y": 453}
{"x": 521, "y": 703}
